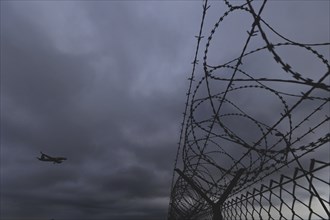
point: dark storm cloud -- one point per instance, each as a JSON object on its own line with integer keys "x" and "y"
{"x": 103, "y": 84}
{"x": 94, "y": 83}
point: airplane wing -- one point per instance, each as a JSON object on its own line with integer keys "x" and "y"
{"x": 47, "y": 156}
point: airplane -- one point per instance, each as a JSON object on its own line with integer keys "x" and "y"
{"x": 45, "y": 157}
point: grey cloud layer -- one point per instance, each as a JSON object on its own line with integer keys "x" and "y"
{"x": 103, "y": 84}
{"x": 95, "y": 83}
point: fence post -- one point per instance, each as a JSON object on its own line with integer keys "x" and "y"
{"x": 216, "y": 207}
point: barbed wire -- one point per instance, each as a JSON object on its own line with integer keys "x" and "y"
{"x": 228, "y": 145}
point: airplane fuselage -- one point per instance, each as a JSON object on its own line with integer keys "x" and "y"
{"x": 47, "y": 158}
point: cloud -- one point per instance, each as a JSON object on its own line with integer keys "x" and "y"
{"x": 103, "y": 84}
{"x": 93, "y": 83}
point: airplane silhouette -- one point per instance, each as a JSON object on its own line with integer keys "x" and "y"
{"x": 45, "y": 157}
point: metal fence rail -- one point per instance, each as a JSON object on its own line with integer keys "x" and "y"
{"x": 290, "y": 197}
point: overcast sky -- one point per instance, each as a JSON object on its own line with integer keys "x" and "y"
{"x": 103, "y": 83}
